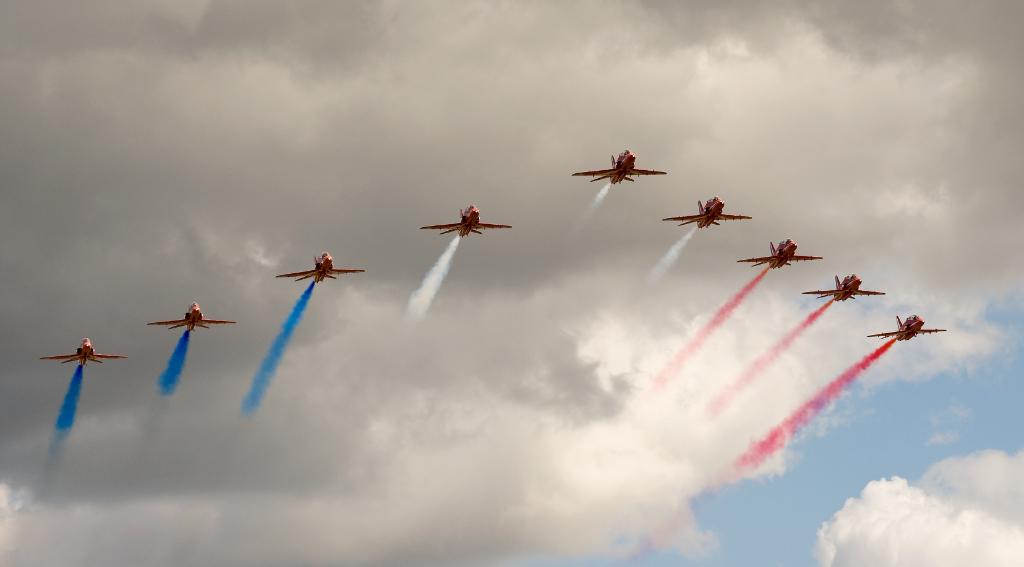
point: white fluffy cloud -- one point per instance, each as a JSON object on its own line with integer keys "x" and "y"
{"x": 965, "y": 511}
{"x": 564, "y": 452}
{"x": 6, "y": 519}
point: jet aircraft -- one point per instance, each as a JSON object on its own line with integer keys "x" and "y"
{"x": 848, "y": 288}
{"x": 193, "y": 318}
{"x": 470, "y": 222}
{"x": 323, "y": 268}
{"x": 83, "y": 355}
{"x": 908, "y": 329}
{"x": 622, "y": 169}
{"x": 709, "y": 214}
{"x": 781, "y": 255}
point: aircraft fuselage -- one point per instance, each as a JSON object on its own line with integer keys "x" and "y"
{"x": 783, "y": 254}
{"x": 324, "y": 265}
{"x": 623, "y": 166}
{"x": 849, "y": 286}
{"x": 712, "y": 211}
{"x": 470, "y": 218}
{"x": 910, "y": 328}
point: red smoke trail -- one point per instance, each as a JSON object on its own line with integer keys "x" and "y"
{"x": 764, "y": 361}
{"x": 716, "y": 321}
{"x": 777, "y": 438}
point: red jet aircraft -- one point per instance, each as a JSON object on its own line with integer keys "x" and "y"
{"x": 848, "y": 288}
{"x": 622, "y": 168}
{"x": 323, "y": 268}
{"x": 83, "y": 355}
{"x": 193, "y": 318}
{"x": 908, "y": 329}
{"x": 470, "y": 223}
{"x": 710, "y": 214}
{"x": 781, "y": 256}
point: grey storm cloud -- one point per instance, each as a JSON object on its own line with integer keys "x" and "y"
{"x": 158, "y": 153}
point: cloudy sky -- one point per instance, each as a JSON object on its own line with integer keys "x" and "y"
{"x": 157, "y": 153}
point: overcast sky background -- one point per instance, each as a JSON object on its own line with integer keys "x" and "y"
{"x": 158, "y": 153}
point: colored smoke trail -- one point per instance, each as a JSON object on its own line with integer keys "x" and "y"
{"x": 670, "y": 257}
{"x": 420, "y": 300}
{"x": 261, "y": 381}
{"x": 594, "y": 205}
{"x": 777, "y": 438}
{"x": 168, "y": 380}
{"x": 764, "y": 361}
{"x": 66, "y": 417}
{"x": 599, "y": 198}
{"x": 702, "y": 335}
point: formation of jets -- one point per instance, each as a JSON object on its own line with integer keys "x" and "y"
{"x": 709, "y": 213}
{"x": 323, "y": 268}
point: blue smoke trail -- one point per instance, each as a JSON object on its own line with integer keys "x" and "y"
{"x": 261, "y": 381}
{"x": 168, "y": 381}
{"x": 670, "y": 257}
{"x": 420, "y": 300}
{"x": 66, "y": 417}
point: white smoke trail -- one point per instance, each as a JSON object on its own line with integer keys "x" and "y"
{"x": 670, "y": 257}
{"x": 599, "y": 198}
{"x": 420, "y": 300}
{"x": 594, "y": 205}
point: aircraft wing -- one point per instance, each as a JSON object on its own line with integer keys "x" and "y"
{"x": 733, "y": 217}
{"x": 64, "y": 357}
{"x": 345, "y": 271}
{"x": 216, "y": 322}
{"x": 884, "y": 335}
{"x": 804, "y": 258}
{"x": 866, "y": 292}
{"x": 172, "y": 322}
{"x": 485, "y": 225}
{"x": 926, "y": 331}
{"x": 451, "y": 226}
{"x": 685, "y": 219}
{"x": 758, "y": 261}
{"x": 645, "y": 172}
{"x": 108, "y": 356}
{"x": 823, "y": 293}
{"x": 596, "y": 172}
{"x": 304, "y": 274}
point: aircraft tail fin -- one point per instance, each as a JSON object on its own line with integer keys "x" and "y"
{"x": 837, "y": 282}
{"x": 898, "y": 322}
{"x": 700, "y": 207}
{"x": 772, "y": 246}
